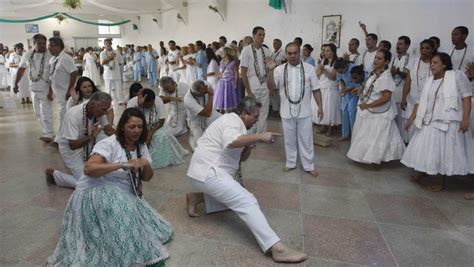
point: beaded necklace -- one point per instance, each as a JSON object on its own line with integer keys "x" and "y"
{"x": 417, "y": 75}
{"x": 260, "y": 77}
{"x": 201, "y": 119}
{"x": 85, "y": 123}
{"x": 430, "y": 114}
{"x": 302, "y": 84}
{"x": 32, "y": 66}
{"x": 152, "y": 116}
{"x": 404, "y": 67}
{"x": 368, "y": 89}
{"x": 135, "y": 178}
{"x": 462, "y": 59}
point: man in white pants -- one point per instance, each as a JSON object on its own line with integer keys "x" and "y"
{"x": 37, "y": 62}
{"x": 216, "y": 159}
{"x": 63, "y": 74}
{"x": 111, "y": 60}
{"x": 254, "y": 74}
{"x": 81, "y": 126}
{"x": 199, "y": 110}
{"x": 296, "y": 81}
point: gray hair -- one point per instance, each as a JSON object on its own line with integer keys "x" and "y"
{"x": 248, "y": 105}
{"x": 166, "y": 81}
{"x": 100, "y": 97}
{"x": 196, "y": 85}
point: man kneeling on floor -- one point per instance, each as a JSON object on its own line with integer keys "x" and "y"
{"x": 216, "y": 159}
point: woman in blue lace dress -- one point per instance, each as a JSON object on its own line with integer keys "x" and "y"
{"x": 165, "y": 149}
{"x": 107, "y": 222}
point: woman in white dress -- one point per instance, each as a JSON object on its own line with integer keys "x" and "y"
{"x": 417, "y": 74}
{"x": 442, "y": 144}
{"x": 163, "y": 67}
{"x": 14, "y": 64}
{"x": 90, "y": 66}
{"x": 191, "y": 68}
{"x": 182, "y": 64}
{"x": 4, "y": 75}
{"x": 212, "y": 67}
{"x": 329, "y": 90}
{"x": 376, "y": 137}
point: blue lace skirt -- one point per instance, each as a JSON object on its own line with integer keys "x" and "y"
{"x": 107, "y": 225}
{"x": 165, "y": 150}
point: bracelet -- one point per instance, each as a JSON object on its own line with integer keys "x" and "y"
{"x": 124, "y": 166}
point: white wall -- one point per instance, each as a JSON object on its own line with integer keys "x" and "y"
{"x": 12, "y": 33}
{"x": 419, "y": 19}
{"x": 389, "y": 19}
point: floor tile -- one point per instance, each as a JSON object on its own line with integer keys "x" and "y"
{"x": 346, "y": 241}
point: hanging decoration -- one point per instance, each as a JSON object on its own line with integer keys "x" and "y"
{"x": 216, "y": 10}
{"x": 276, "y": 4}
{"x": 28, "y": 20}
{"x": 72, "y": 4}
{"x": 60, "y": 18}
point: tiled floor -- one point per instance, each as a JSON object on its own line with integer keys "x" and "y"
{"x": 350, "y": 215}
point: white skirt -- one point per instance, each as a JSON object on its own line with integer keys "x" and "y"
{"x": 331, "y": 107}
{"x": 375, "y": 139}
{"x": 434, "y": 151}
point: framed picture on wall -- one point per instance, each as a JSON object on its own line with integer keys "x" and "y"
{"x": 331, "y": 32}
{"x": 31, "y": 28}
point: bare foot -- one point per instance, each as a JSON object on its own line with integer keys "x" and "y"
{"x": 46, "y": 139}
{"x": 469, "y": 196}
{"x": 287, "y": 169}
{"x": 313, "y": 173}
{"x": 417, "y": 177}
{"x": 282, "y": 253}
{"x": 435, "y": 188}
{"x": 342, "y": 138}
{"x": 192, "y": 202}
{"x": 49, "y": 176}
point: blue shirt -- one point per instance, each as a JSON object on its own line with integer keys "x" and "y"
{"x": 348, "y": 98}
{"x": 310, "y": 60}
{"x": 201, "y": 60}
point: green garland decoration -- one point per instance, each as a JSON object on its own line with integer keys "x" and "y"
{"x": 28, "y": 20}
{"x": 96, "y": 23}
{"x": 66, "y": 15}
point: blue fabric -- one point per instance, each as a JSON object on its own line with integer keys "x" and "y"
{"x": 348, "y": 102}
{"x": 201, "y": 60}
{"x": 152, "y": 68}
{"x": 310, "y": 60}
{"x": 137, "y": 67}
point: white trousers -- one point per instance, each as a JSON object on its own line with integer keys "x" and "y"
{"x": 196, "y": 133}
{"x": 61, "y": 98}
{"x": 263, "y": 96}
{"x": 227, "y": 191}
{"x": 75, "y": 164}
{"x": 44, "y": 113}
{"x": 114, "y": 89}
{"x": 298, "y": 136}
{"x": 176, "y": 122}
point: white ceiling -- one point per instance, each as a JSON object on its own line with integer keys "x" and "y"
{"x": 112, "y": 8}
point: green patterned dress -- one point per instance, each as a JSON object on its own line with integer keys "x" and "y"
{"x": 105, "y": 224}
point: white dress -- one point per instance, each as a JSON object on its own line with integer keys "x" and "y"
{"x": 213, "y": 67}
{"x": 163, "y": 66}
{"x": 4, "y": 75}
{"x": 23, "y": 85}
{"x": 90, "y": 69}
{"x": 419, "y": 72}
{"x": 375, "y": 136}
{"x": 331, "y": 101}
{"x": 438, "y": 147}
{"x": 191, "y": 70}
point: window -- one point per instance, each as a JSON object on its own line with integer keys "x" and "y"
{"x": 108, "y": 30}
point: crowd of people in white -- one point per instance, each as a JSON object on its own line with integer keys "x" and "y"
{"x": 416, "y": 108}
